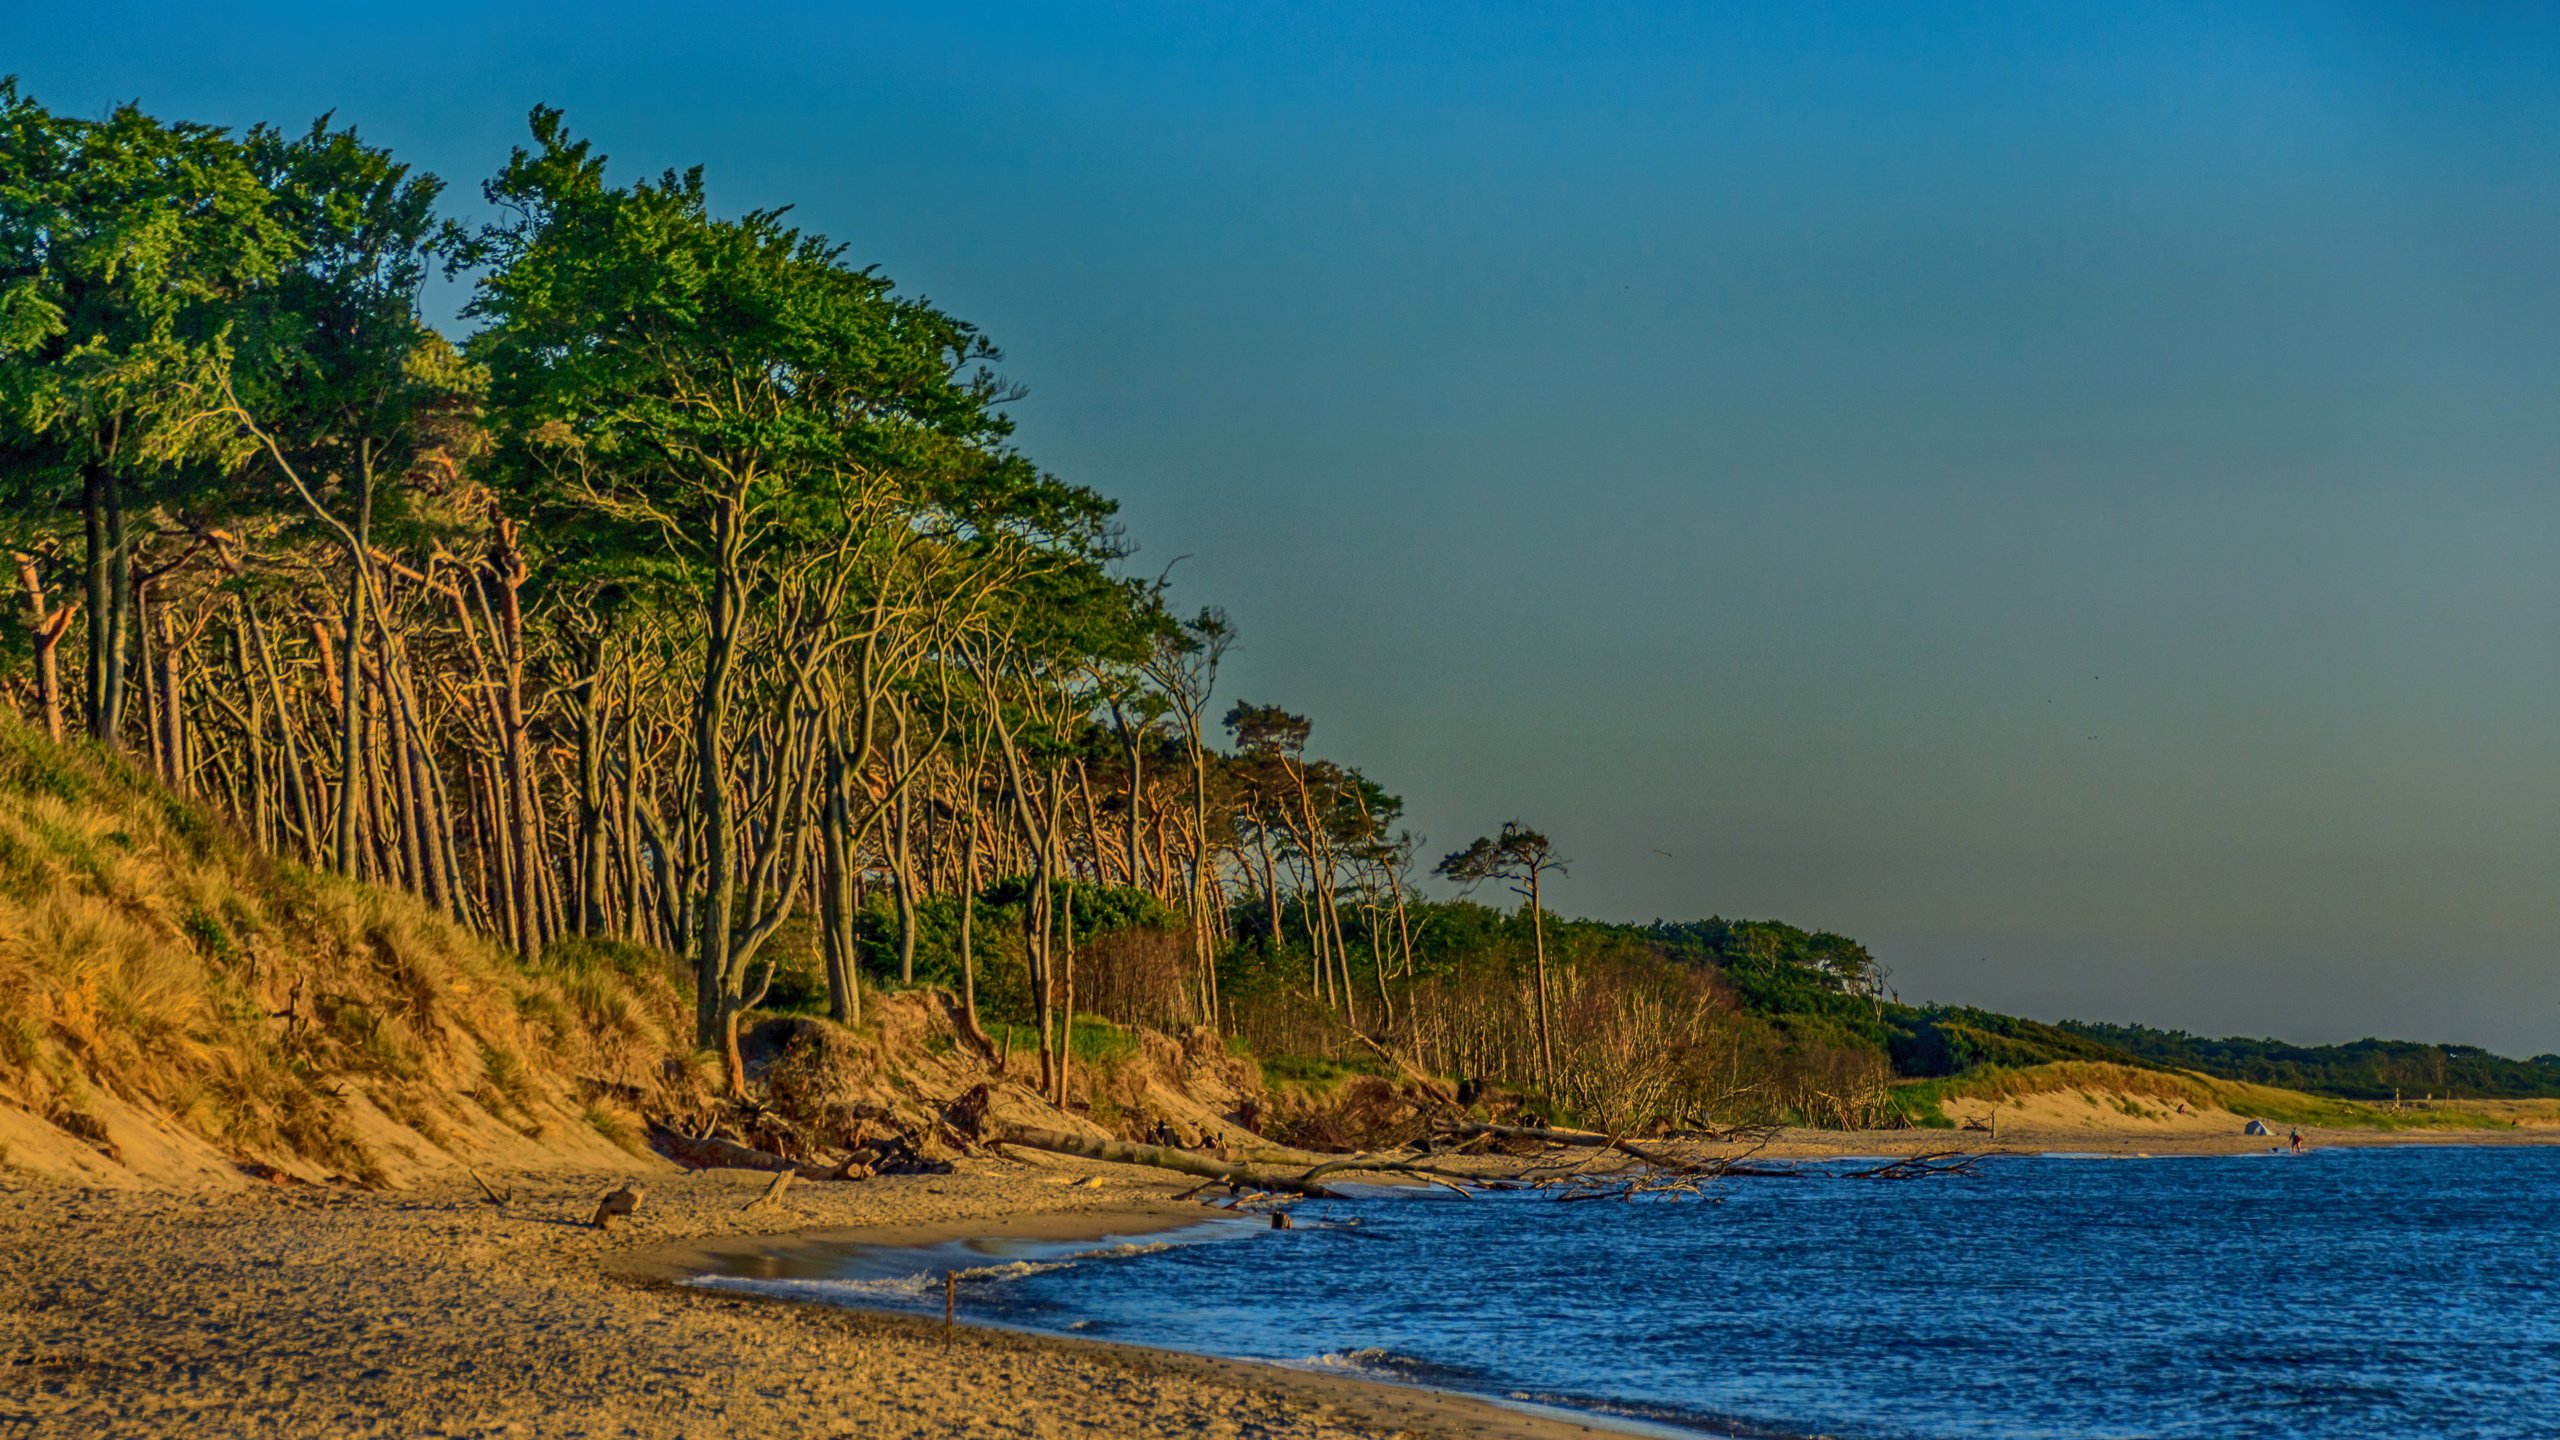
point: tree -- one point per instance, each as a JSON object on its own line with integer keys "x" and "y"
{"x": 127, "y": 248}
{"x": 714, "y": 381}
{"x": 1523, "y": 857}
{"x": 1184, "y": 666}
{"x": 706, "y": 567}
{"x": 348, "y": 386}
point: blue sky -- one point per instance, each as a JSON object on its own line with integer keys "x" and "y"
{"x": 2063, "y": 493}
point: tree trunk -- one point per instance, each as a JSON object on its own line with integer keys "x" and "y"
{"x": 968, "y": 916}
{"x": 901, "y": 852}
{"x": 592, "y": 853}
{"x": 260, "y": 813}
{"x": 154, "y": 726}
{"x": 350, "y": 686}
{"x": 1137, "y": 805}
{"x": 1067, "y": 998}
{"x": 835, "y": 881}
{"x": 1546, "y": 1023}
{"x": 523, "y": 816}
{"x": 1270, "y": 879}
{"x": 718, "y": 989}
{"x": 629, "y": 817}
{"x": 110, "y": 600}
{"x": 297, "y": 787}
{"x": 45, "y": 627}
{"x": 172, "y": 695}
{"x": 403, "y": 791}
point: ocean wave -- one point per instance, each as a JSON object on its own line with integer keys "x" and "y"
{"x": 873, "y": 1289}
{"x": 1383, "y": 1364}
{"x": 1024, "y": 1269}
{"x": 1011, "y": 1270}
{"x": 1687, "y": 1419}
{"x": 923, "y": 1285}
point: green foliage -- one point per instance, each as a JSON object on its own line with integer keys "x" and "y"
{"x": 127, "y": 245}
{"x": 1951, "y": 1040}
{"x": 1094, "y": 1040}
{"x": 1318, "y": 1072}
{"x": 593, "y": 955}
{"x": 1518, "y": 854}
{"x": 653, "y": 366}
{"x": 2364, "y": 1070}
{"x": 761, "y": 491}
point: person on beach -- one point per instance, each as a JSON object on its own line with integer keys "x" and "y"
{"x": 2297, "y": 1140}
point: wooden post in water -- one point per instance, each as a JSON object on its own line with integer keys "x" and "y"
{"x": 950, "y": 1296}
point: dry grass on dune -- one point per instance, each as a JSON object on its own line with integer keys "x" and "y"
{"x": 148, "y": 955}
{"x": 2095, "y": 1076}
{"x": 2106, "y": 1091}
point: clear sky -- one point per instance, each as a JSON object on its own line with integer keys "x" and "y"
{"x": 2064, "y": 493}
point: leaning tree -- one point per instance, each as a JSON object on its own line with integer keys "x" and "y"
{"x": 1522, "y": 857}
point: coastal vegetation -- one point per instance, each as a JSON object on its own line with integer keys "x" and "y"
{"x": 690, "y": 642}
{"x": 2396, "y": 1070}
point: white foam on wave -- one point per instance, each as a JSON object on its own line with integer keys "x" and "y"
{"x": 835, "y": 1291}
{"x": 924, "y": 1285}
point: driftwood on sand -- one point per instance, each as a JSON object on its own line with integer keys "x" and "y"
{"x": 772, "y": 1193}
{"x": 1618, "y": 1168}
{"x": 618, "y": 1205}
{"x": 710, "y": 1152}
{"x": 495, "y": 1197}
{"x": 1615, "y": 1168}
{"x": 1710, "y": 1165}
{"x": 1163, "y": 1157}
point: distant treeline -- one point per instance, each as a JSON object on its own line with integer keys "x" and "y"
{"x": 2365, "y": 1070}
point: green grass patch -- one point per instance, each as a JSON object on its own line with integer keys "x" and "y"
{"x": 1096, "y": 1041}
{"x": 2293, "y": 1107}
{"x": 1316, "y": 1072}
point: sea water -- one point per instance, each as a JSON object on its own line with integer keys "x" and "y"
{"x": 2344, "y": 1293}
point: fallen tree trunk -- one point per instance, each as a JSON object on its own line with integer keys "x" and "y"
{"x": 1593, "y": 1140}
{"x": 1427, "y": 1083}
{"x": 1584, "y": 1139}
{"x": 1122, "y": 1152}
{"x": 712, "y": 1153}
{"x": 1429, "y": 1174}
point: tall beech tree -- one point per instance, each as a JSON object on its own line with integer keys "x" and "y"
{"x": 703, "y": 376}
{"x": 347, "y": 390}
{"x": 128, "y": 247}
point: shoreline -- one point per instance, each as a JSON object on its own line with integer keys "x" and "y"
{"x": 300, "y": 1309}
{"x": 680, "y": 1267}
{"x": 682, "y": 1259}
{"x": 2195, "y": 1137}
{"x": 1403, "y": 1403}
{"x": 313, "y": 1310}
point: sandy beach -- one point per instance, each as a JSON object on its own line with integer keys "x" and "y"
{"x": 320, "y": 1310}
{"x": 314, "y": 1311}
